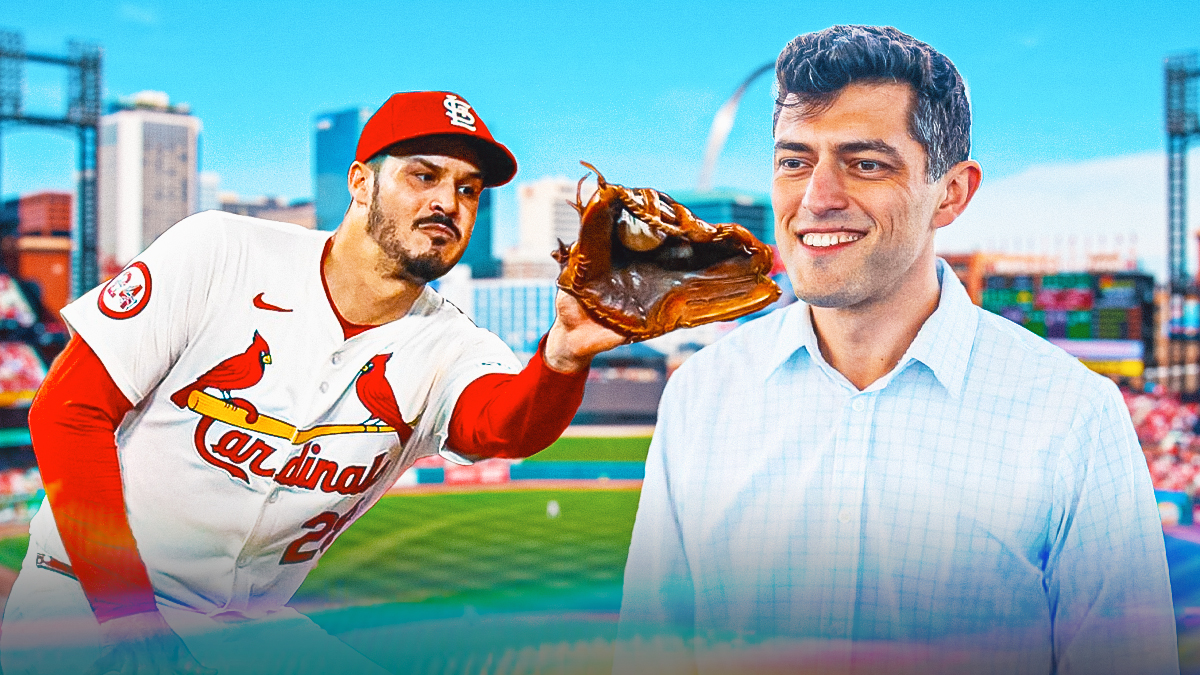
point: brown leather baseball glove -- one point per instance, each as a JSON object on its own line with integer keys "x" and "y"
{"x": 644, "y": 265}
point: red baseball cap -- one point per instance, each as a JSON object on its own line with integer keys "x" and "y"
{"x": 413, "y": 114}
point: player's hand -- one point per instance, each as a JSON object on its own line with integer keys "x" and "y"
{"x": 143, "y": 644}
{"x": 575, "y": 338}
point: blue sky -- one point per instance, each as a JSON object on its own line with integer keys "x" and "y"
{"x": 629, "y": 86}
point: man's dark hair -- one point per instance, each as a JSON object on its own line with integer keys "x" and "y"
{"x": 376, "y": 161}
{"x": 812, "y": 70}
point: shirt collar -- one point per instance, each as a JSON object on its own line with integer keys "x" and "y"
{"x": 795, "y": 334}
{"x": 943, "y": 344}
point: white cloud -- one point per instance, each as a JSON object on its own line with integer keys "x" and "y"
{"x": 138, "y": 14}
{"x": 1087, "y": 206}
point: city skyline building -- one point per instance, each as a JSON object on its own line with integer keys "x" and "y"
{"x": 10, "y": 216}
{"x": 46, "y": 262}
{"x": 41, "y": 252}
{"x": 545, "y": 216}
{"x": 520, "y": 311}
{"x": 479, "y": 254}
{"x": 335, "y": 140}
{"x": 210, "y": 191}
{"x": 751, "y": 211}
{"x": 47, "y": 213}
{"x": 149, "y": 166}
{"x": 297, "y": 212}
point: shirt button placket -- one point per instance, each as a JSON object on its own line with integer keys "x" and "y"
{"x": 848, "y": 518}
{"x": 240, "y": 591}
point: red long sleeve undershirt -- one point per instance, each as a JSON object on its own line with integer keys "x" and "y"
{"x": 78, "y": 408}
{"x": 72, "y": 422}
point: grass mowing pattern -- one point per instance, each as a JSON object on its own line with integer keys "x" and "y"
{"x": 403, "y": 584}
{"x": 618, "y": 449}
{"x": 485, "y": 549}
{"x": 483, "y": 582}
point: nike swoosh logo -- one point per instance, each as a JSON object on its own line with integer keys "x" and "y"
{"x": 263, "y": 304}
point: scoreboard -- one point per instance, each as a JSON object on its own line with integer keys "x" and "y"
{"x": 1104, "y": 319}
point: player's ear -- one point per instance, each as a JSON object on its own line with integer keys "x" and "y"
{"x": 359, "y": 180}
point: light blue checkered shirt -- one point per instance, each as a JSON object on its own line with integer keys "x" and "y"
{"x": 983, "y": 507}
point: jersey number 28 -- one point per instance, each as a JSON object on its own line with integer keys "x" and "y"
{"x": 324, "y": 528}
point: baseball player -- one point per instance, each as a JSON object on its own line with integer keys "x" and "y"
{"x": 244, "y": 390}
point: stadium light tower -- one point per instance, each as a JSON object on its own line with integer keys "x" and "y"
{"x": 722, "y": 124}
{"x": 1183, "y": 124}
{"x": 82, "y": 115}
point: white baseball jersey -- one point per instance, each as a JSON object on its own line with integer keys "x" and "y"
{"x": 251, "y": 446}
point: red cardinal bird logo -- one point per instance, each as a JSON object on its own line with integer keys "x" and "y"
{"x": 236, "y": 372}
{"x": 378, "y": 398}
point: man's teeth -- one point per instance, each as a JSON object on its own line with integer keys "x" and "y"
{"x": 820, "y": 239}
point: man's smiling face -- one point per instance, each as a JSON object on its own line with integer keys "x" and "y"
{"x": 853, "y": 208}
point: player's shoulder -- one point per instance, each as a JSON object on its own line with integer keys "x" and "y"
{"x": 449, "y": 338}
{"x": 209, "y": 228}
{"x": 434, "y": 306}
{"x": 445, "y": 318}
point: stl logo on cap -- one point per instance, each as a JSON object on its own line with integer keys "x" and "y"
{"x": 459, "y": 112}
{"x": 128, "y": 292}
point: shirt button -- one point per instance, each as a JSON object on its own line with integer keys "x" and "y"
{"x": 858, "y": 405}
{"x": 337, "y": 358}
{"x": 324, "y": 387}
{"x": 243, "y": 560}
{"x": 274, "y": 497}
{"x": 845, "y": 516}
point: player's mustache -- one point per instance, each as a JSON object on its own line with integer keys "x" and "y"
{"x": 439, "y": 219}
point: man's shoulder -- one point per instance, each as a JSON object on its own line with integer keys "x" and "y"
{"x": 745, "y": 349}
{"x": 1009, "y": 356}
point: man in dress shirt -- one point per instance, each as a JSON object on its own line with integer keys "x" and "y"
{"x": 883, "y": 477}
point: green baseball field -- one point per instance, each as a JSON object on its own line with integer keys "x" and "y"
{"x": 497, "y": 581}
{"x": 507, "y": 581}
{"x": 505, "y": 550}
{"x": 448, "y": 582}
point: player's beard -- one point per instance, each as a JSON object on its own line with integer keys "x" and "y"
{"x": 422, "y": 268}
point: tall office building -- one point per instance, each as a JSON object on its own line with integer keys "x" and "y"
{"x": 148, "y": 174}
{"x": 484, "y": 264}
{"x": 546, "y": 216}
{"x": 520, "y": 311}
{"x": 210, "y": 191}
{"x": 751, "y": 211}
{"x": 335, "y": 138}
